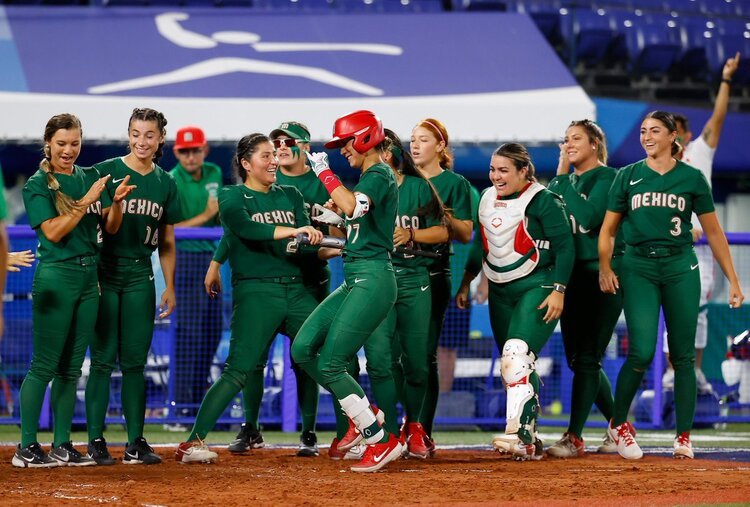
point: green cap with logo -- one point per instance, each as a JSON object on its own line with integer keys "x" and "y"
{"x": 292, "y": 129}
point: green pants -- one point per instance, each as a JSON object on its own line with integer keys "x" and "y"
{"x": 65, "y": 298}
{"x": 440, "y": 284}
{"x": 403, "y": 333}
{"x": 650, "y": 284}
{"x": 259, "y": 308}
{"x": 317, "y": 282}
{"x": 342, "y": 323}
{"x": 124, "y": 330}
{"x": 588, "y": 320}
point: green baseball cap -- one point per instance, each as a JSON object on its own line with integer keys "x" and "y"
{"x": 292, "y": 129}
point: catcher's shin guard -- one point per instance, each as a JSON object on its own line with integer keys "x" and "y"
{"x": 359, "y": 410}
{"x": 517, "y": 365}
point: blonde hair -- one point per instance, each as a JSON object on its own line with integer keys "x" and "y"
{"x": 63, "y": 202}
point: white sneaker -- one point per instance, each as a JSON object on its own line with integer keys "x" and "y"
{"x": 667, "y": 380}
{"x": 682, "y": 446}
{"x": 569, "y": 446}
{"x": 608, "y": 445}
{"x": 704, "y": 386}
{"x": 195, "y": 451}
{"x": 513, "y": 445}
{"x": 624, "y": 438}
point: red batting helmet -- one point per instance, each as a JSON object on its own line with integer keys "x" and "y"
{"x": 363, "y": 126}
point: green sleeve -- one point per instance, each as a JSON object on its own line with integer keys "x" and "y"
{"x": 3, "y": 206}
{"x": 301, "y": 216}
{"x": 618, "y": 195}
{"x": 105, "y": 198}
{"x": 474, "y": 259}
{"x": 38, "y": 201}
{"x": 556, "y": 228}
{"x": 704, "y": 201}
{"x": 173, "y": 213}
{"x": 374, "y": 185}
{"x": 222, "y": 251}
{"x": 589, "y": 213}
{"x": 462, "y": 208}
{"x": 234, "y": 217}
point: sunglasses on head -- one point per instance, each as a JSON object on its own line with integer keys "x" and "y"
{"x": 288, "y": 142}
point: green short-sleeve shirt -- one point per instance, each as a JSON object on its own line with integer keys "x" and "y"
{"x": 657, "y": 208}
{"x": 39, "y": 199}
{"x": 3, "y": 205}
{"x": 193, "y": 196}
{"x": 414, "y": 194}
{"x": 152, "y": 204}
{"x": 371, "y": 235}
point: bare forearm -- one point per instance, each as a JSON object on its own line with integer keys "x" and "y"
{"x": 168, "y": 255}
{"x": 344, "y": 199}
{"x": 55, "y": 229}
{"x": 113, "y": 218}
{"x": 462, "y": 229}
{"x": 720, "y": 248}
{"x": 432, "y": 235}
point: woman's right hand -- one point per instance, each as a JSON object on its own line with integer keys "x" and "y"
{"x": 462, "y": 297}
{"x": 563, "y": 164}
{"x": 608, "y": 282}
{"x": 94, "y": 192}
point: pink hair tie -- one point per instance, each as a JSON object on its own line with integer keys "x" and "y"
{"x": 440, "y": 133}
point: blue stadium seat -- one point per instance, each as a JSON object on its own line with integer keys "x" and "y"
{"x": 547, "y": 16}
{"x": 685, "y": 6}
{"x": 593, "y": 33}
{"x": 392, "y": 6}
{"x": 732, "y": 36}
{"x": 695, "y": 36}
{"x": 721, "y": 7}
{"x": 652, "y": 40}
{"x": 480, "y": 5}
{"x": 296, "y": 5}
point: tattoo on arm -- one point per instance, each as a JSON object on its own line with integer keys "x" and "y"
{"x": 707, "y": 134}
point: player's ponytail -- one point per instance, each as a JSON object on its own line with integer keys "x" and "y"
{"x": 596, "y": 135}
{"x": 438, "y": 130}
{"x": 147, "y": 114}
{"x": 520, "y": 157}
{"x": 245, "y": 149}
{"x": 64, "y": 203}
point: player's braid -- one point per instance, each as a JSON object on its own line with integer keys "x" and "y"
{"x": 63, "y": 202}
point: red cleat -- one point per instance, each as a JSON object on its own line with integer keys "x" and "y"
{"x": 417, "y": 441}
{"x": 378, "y": 455}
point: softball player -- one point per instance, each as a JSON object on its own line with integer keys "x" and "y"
{"x": 590, "y": 315}
{"x": 338, "y": 328}
{"x": 420, "y": 222}
{"x": 526, "y": 251}
{"x": 258, "y": 217}
{"x": 291, "y": 140}
{"x": 125, "y": 324}
{"x": 66, "y": 205}
{"x": 655, "y": 198}
{"x": 434, "y": 159}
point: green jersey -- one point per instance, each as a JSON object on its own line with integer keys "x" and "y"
{"x": 249, "y": 219}
{"x": 193, "y": 196}
{"x": 3, "y": 206}
{"x": 152, "y": 204}
{"x": 461, "y": 251}
{"x": 455, "y": 192}
{"x": 414, "y": 194}
{"x": 39, "y": 200}
{"x": 547, "y": 225}
{"x": 371, "y": 235}
{"x": 657, "y": 208}
{"x": 313, "y": 192}
{"x": 585, "y": 199}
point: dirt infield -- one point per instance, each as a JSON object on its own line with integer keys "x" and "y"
{"x": 454, "y": 477}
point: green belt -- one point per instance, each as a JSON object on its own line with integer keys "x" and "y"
{"x": 83, "y": 260}
{"x": 273, "y": 279}
{"x": 126, "y": 261}
{"x": 656, "y": 252}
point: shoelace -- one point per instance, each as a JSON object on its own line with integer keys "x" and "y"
{"x": 683, "y": 439}
{"x": 623, "y": 431}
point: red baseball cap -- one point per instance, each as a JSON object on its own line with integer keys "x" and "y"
{"x": 189, "y": 137}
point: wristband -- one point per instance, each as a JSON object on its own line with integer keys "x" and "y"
{"x": 727, "y": 81}
{"x": 329, "y": 180}
{"x": 558, "y": 287}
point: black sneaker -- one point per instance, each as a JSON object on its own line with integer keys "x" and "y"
{"x": 68, "y": 456}
{"x": 140, "y": 453}
{"x": 248, "y": 438}
{"x": 32, "y": 456}
{"x": 97, "y": 451}
{"x": 308, "y": 445}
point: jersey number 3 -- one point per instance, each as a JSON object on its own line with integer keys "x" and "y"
{"x": 677, "y": 222}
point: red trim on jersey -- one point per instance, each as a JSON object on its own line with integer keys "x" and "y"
{"x": 485, "y": 245}
{"x": 523, "y": 243}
